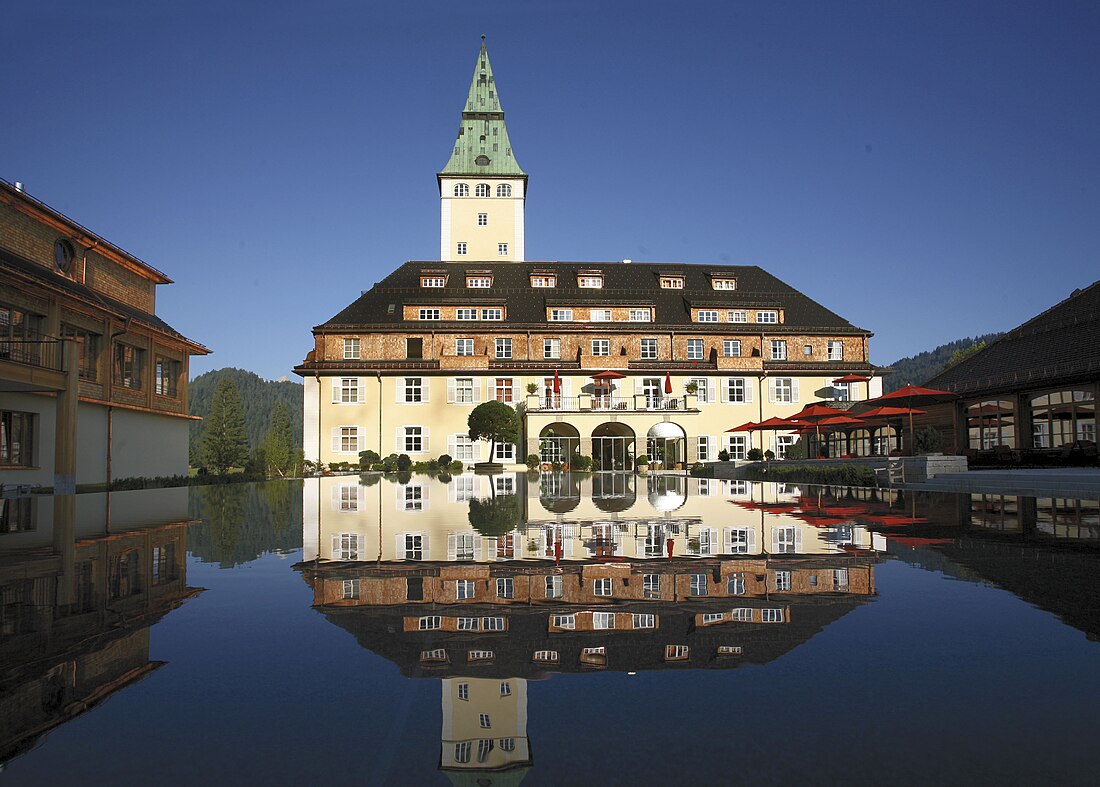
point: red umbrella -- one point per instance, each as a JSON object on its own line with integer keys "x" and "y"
{"x": 816, "y": 411}
{"x": 668, "y": 383}
{"x": 670, "y": 544}
{"x": 610, "y": 374}
{"x": 557, "y": 383}
{"x": 887, "y": 412}
{"x": 914, "y": 394}
{"x": 852, "y": 378}
{"x": 748, "y": 426}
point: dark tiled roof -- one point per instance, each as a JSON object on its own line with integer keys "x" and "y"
{"x": 624, "y": 283}
{"x": 1060, "y": 346}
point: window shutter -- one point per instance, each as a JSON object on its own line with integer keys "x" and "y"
{"x": 794, "y": 389}
{"x": 360, "y": 546}
{"x": 692, "y": 448}
{"x": 399, "y": 547}
{"x": 452, "y": 445}
{"x": 399, "y": 440}
{"x": 771, "y": 390}
{"x": 450, "y": 390}
{"x": 335, "y": 546}
{"x": 425, "y": 389}
{"x": 798, "y": 540}
{"x": 425, "y": 446}
{"x": 477, "y": 390}
{"x": 748, "y": 389}
{"x": 336, "y": 390}
{"x": 751, "y": 540}
{"x": 725, "y": 392}
{"x": 713, "y": 547}
{"x": 452, "y": 546}
{"x": 775, "y": 539}
{"x": 566, "y": 387}
{"x": 336, "y": 438}
{"x": 712, "y": 395}
{"x": 515, "y": 390}
{"x": 424, "y": 545}
{"x": 478, "y": 541}
{"x": 639, "y": 546}
{"x": 399, "y": 389}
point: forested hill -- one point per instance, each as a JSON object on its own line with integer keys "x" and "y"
{"x": 258, "y": 397}
{"x": 922, "y": 366}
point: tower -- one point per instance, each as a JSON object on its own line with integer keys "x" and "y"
{"x": 482, "y": 189}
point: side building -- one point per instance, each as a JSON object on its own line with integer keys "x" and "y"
{"x": 93, "y": 385}
{"x": 610, "y": 359}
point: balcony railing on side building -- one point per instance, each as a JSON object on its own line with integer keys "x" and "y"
{"x": 43, "y": 353}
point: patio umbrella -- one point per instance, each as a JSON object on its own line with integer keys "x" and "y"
{"x": 885, "y": 413}
{"x": 813, "y": 414}
{"x": 748, "y": 426}
{"x": 777, "y": 424}
{"x": 557, "y": 383}
{"x": 838, "y": 422}
{"x": 912, "y": 395}
{"x": 852, "y": 378}
{"x": 668, "y": 383}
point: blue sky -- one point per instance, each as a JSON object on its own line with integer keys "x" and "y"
{"x": 927, "y": 170}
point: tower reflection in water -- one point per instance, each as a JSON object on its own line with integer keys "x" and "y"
{"x": 82, "y": 580}
{"x": 487, "y": 582}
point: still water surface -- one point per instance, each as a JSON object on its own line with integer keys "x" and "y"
{"x": 612, "y": 630}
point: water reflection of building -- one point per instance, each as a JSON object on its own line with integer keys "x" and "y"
{"x": 81, "y": 582}
{"x": 608, "y": 573}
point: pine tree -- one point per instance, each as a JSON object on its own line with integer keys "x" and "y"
{"x": 224, "y": 443}
{"x": 278, "y": 444}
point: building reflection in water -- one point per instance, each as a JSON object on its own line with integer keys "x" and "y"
{"x": 488, "y": 582}
{"x": 82, "y": 580}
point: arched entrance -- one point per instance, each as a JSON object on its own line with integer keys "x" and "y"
{"x": 558, "y": 442}
{"x": 613, "y": 447}
{"x": 666, "y": 443}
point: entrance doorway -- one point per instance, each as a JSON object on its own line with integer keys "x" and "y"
{"x": 613, "y": 447}
{"x": 665, "y": 443}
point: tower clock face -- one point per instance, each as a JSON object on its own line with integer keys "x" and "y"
{"x": 482, "y": 161}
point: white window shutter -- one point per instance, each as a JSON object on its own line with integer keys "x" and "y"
{"x": 425, "y": 446}
{"x": 725, "y": 392}
{"x": 425, "y": 389}
{"x": 748, "y": 389}
{"x": 336, "y": 438}
{"x": 771, "y": 390}
{"x": 692, "y": 448}
{"x": 452, "y": 445}
{"x": 399, "y": 389}
{"x": 751, "y": 540}
{"x": 477, "y": 390}
{"x": 712, "y": 393}
{"x": 775, "y": 539}
{"x": 424, "y": 546}
{"x": 360, "y": 546}
{"x": 639, "y": 546}
{"x": 399, "y": 547}
{"x": 335, "y": 390}
{"x": 452, "y": 546}
{"x": 798, "y": 540}
{"x": 335, "y": 545}
{"x": 515, "y": 390}
{"x": 399, "y": 440}
{"x": 566, "y": 387}
{"x": 794, "y": 389}
{"x": 362, "y": 390}
{"x": 450, "y": 390}
{"x": 478, "y": 548}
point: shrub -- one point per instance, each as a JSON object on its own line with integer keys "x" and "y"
{"x": 927, "y": 440}
{"x": 837, "y": 475}
{"x": 723, "y": 455}
{"x": 702, "y": 471}
{"x": 755, "y": 454}
{"x": 389, "y": 464}
{"x": 455, "y": 467}
{"x": 643, "y": 459}
{"x": 797, "y": 451}
{"x": 533, "y": 461}
{"x": 445, "y": 460}
{"x": 769, "y": 455}
{"x": 368, "y": 458}
{"x": 580, "y": 462}
{"x": 404, "y": 463}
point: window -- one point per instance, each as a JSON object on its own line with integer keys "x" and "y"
{"x": 676, "y": 652}
{"x": 462, "y": 750}
{"x": 713, "y": 617}
{"x": 736, "y": 390}
{"x": 483, "y": 219}
{"x": 347, "y": 439}
{"x": 462, "y": 190}
{"x": 553, "y": 586}
{"x": 505, "y": 689}
{"x": 603, "y": 620}
{"x": 742, "y": 614}
{"x": 414, "y": 546}
{"x": 783, "y": 390}
{"x": 836, "y": 351}
{"x": 739, "y": 541}
{"x": 349, "y": 390}
{"x": 350, "y": 589}
{"x": 672, "y": 282}
{"x": 783, "y": 581}
{"x": 729, "y": 650}
{"x": 698, "y": 584}
{"x": 504, "y": 348}
{"x": 414, "y": 389}
{"x": 771, "y": 616}
{"x": 463, "y": 549}
{"x": 563, "y": 621}
{"x": 507, "y": 744}
{"x": 89, "y": 348}
{"x": 842, "y": 392}
{"x": 561, "y": 315}
{"x": 481, "y": 190}
{"x": 464, "y": 589}
{"x": 414, "y": 497}
{"x": 468, "y": 624}
{"x": 128, "y": 366}
{"x": 166, "y": 375}
{"x": 428, "y": 314}
{"x": 808, "y": 350}
{"x": 590, "y": 282}
{"x": 640, "y": 315}
{"x": 465, "y": 449}
{"x": 464, "y": 690}
{"x": 545, "y": 282}
{"x": 738, "y": 316}
{"x": 430, "y": 623}
{"x": 599, "y": 315}
{"x": 602, "y": 586}
{"x": 504, "y": 189}
{"x": 779, "y": 350}
{"x": 352, "y": 349}
{"x": 551, "y": 348}
{"x": 493, "y": 315}
{"x": 695, "y": 349}
{"x": 464, "y": 346}
{"x": 708, "y": 315}
{"x": 506, "y": 587}
{"x": 644, "y": 621}
{"x": 414, "y": 347}
{"x": 703, "y": 443}
{"x": 546, "y": 657}
{"x": 460, "y": 248}
{"x": 429, "y": 281}
{"x": 439, "y": 655}
{"x": 735, "y": 584}
{"x": 485, "y": 722}
{"x": 601, "y": 347}
{"x": 16, "y": 439}
{"x": 479, "y": 282}
{"x": 651, "y": 586}
{"x": 502, "y": 249}
{"x": 840, "y": 579}
{"x": 702, "y": 392}
{"x": 724, "y": 284}
{"x": 731, "y": 348}
{"x": 785, "y": 540}
{"x": 768, "y": 316}
{"x": 649, "y": 349}
{"x": 414, "y": 440}
{"x": 502, "y": 389}
{"x": 465, "y": 314}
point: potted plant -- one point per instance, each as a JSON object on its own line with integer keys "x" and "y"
{"x": 642, "y": 464}
{"x": 692, "y": 387}
{"x": 532, "y": 388}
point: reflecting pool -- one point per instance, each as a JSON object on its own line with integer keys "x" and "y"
{"x": 558, "y": 629}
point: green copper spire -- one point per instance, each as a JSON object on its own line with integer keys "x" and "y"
{"x": 482, "y": 146}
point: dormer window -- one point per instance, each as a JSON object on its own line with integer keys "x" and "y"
{"x": 481, "y": 190}
{"x": 599, "y": 315}
{"x": 479, "y": 282}
{"x": 504, "y": 189}
{"x": 723, "y": 284}
{"x": 738, "y": 316}
{"x": 428, "y": 314}
{"x": 462, "y": 190}
{"x": 592, "y": 281}
{"x": 544, "y": 281}
{"x": 672, "y": 282}
{"x": 433, "y": 281}
{"x": 708, "y": 315}
{"x": 640, "y": 315}
{"x": 561, "y": 315}
{"x": 767, "y": 316}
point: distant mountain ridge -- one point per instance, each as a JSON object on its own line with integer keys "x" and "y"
{"x": 923, "y": 366}
{"x": 258, "y": 397}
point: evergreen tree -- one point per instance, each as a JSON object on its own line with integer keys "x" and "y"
{"x": 224, "y": 442}
{"x": 278, "y": 445}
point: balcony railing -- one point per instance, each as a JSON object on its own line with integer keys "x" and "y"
{"x": 589, "y": 403}
{"x": 43, "y": 353}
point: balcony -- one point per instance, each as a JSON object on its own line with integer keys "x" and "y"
{"x": 588, "y": 403}
{"x": 32, "y": 365}
{"x": 42, "y": 353}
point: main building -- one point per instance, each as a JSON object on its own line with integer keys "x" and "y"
{"x": 611, "y": 359}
